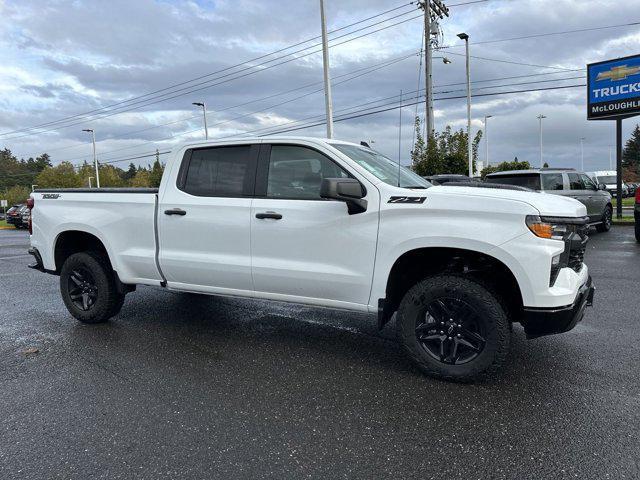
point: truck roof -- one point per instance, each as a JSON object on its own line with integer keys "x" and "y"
{"x": 255, "y": 139}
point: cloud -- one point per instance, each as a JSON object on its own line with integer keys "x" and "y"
{"x": 65, "y": 58}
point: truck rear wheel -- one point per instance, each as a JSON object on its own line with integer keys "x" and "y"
{"x": 88, "y": 288}
{"x": 453, "y": 328}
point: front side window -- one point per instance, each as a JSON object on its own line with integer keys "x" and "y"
{"x": 552, "y": 181}
{"x": 220, "y": 171}
{"x": 382, "y": 167}
{"x": 588, "y": 183}
{"x": 574, "y": 182}
{"x": 297, "y": 172}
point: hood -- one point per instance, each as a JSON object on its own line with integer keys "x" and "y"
{"x": 547, "y": 204}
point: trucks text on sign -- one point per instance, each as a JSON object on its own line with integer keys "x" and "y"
{"x": 613, "y": 88}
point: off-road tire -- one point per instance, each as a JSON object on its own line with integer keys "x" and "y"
{"x": 108, "y": 301}
{"x": 491, "y": 315}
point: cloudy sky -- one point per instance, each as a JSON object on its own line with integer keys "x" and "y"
{"x": 131, "y": 68}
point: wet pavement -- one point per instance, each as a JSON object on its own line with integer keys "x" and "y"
{"x": 180, "y": 386}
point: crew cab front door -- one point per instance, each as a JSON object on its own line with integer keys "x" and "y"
{"x": 304, "y": 247}
{"x": 203, "y": 221}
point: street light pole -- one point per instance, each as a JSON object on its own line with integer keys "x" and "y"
{"x": 95, "y": 159}
{"x": 204, "y": 117}
{"x": 540, "y": 117}
{"x": 486, "y": 139}
{"x": 610, "y": 158}
{"x": 465, "y": 37}
{"x": 582, "y": 154}
{"x": 327, "y": 78}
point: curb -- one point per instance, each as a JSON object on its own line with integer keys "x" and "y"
{"x": 625, "y": 223}
{"x": 8, "y": 228}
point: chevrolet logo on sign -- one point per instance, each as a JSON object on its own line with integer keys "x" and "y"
{"x": 613, "y": 88}
{"x": 618, "y": 73}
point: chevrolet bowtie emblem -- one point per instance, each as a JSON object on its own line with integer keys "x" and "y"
{"x": 618, "y": 73}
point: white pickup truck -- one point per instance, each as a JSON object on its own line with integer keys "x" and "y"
{"x": 328, "y": 223}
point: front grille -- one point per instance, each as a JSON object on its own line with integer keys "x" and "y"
{"x": 576, "y": 245}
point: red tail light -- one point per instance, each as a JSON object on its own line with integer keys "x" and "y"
{"x": 30, "y": 204}
{"x": 638, "y": 194}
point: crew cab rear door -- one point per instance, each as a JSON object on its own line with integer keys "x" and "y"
{"x": 203, "y": 220}
{"x": 305, "y": 247}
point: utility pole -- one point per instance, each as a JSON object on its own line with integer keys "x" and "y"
{"x": 327, "y": 78}
{"x": 432, "y": 9}
{"x": 540, "y": 117}
{"x": 95, "y": 159}
{"x": 400, "y": 134}
{"x": 465, "y": 37}
{"x": 486, "y": 139}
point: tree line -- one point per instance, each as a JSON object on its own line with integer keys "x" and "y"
{"x": 17, "y": 176}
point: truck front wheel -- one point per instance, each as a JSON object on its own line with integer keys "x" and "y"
{"x": 453, "y": 328}
{"x": 88, "y": 288}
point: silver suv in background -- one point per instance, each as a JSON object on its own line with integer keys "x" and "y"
{"x": 565, "y": 182}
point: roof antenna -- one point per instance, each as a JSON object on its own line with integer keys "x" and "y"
{"x": 399, "y": 137}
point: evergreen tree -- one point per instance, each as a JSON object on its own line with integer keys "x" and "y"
{"x": 631, "y": 151}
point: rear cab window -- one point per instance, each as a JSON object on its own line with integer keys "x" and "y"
{"x": 528, "y": 180}
{"x": 226, "y": 171}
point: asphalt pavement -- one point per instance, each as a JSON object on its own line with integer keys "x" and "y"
{"x": 180, "y": 386}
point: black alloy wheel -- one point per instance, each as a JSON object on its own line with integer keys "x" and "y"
{"x": 83, "y": 290}
{"x": 450, "y": 331}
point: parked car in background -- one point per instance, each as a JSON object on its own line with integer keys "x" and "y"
{"x": 26, "y": 215}
{"x": 609, "y": 178}
{"x": 565, "y": 182}
{"x": 633, "y": 188}
{"x": 14, "y": 216}
{"x": 447, "y": 178}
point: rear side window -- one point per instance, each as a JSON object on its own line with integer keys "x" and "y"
{"x": 574, "y": 182}
{"x": 221, "y": 172}
{"x": 552, "y": 181}
{"x": 529, "y": 180}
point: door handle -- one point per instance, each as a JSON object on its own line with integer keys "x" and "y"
{"x": 175, "y": 211}
{"x": 273, "y": 215}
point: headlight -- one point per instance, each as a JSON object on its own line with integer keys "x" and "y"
{"x": 545, "y": 228}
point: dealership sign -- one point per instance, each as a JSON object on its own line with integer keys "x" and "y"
{"x": 613, "y": 88}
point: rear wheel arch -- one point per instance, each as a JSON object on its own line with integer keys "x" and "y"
{"x": 415, "y": 265}
{"x": 71, "y": 242}
{"x": 75, "y": 241}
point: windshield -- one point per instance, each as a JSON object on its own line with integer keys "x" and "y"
{"x": 609, "y": 179}
{"x": 382, "y": 167}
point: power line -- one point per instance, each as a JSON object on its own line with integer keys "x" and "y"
{"x": 148, "y": 101}
{"x": 420, "y": 95}
{"x": 360, "y": 73}
{"x": 129, "y": 101}
{"x": 512, "y": 62}
{"x": 548, "y": 34}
